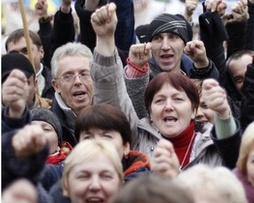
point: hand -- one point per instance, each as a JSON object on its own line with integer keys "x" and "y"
{"x": 41, "y": 8}
{"x": 239, "y": 11}
{"x": 104, "y": 20}
{"x": 216, "y": 6}
{"x": 190, "y": 6}
{"x": 164, "y": 160}
{"x": 215, "y": 97}
{"x": 20, "y": 191}
{"x": 140, "y": 54}
{"x": 15, "y": 93}
{"x": 196, "y": 50}
{"x": 29, "y": 140}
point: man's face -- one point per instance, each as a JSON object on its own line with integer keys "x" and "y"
{"x": 167, "y": 50}
{"x": 74, "y": 82}
{"x": 237, "y": 69}
{"x": 21, "y": 47}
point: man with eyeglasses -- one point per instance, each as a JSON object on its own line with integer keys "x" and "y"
{"x": 73, "y": 85}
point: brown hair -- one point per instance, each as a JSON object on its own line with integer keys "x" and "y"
{"x": 178, "y": 81}
{"x": 105, "y": 117}
{"x": 16, "y": 35}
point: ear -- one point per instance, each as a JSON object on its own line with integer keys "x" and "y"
{"x": 65, "y": 192}
{"x": 55, "y": 85}
{"x": 126, "y": 150}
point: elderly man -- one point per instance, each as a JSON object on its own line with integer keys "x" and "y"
{"x": 73, "y": 85}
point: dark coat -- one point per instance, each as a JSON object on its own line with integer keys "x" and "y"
{"x": 67, "y": 134}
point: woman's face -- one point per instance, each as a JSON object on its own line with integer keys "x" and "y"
{"x": 93, "y": 181}
{"x": 171, "y": 111}
{"x": 250, "y": 167}
{"x": 204, "y": 113}
{"x": 110, "y": 135}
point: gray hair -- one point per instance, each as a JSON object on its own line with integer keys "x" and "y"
{"x": 68, "y": 49}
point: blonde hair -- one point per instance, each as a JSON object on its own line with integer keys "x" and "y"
{"x": 247, "y": 144}
{"x": 219, "y": 181}
{"x": 89, "y": 150}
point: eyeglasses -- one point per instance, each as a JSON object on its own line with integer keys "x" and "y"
{"x": 70, "y": 77}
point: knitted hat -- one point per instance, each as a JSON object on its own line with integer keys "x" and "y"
{"x": 168, "y": 23}
{"x": 43, "y": 114}
{"x": 16, "y": 61}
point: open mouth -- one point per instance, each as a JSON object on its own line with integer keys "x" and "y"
{"x": 79, "y": 94}
{"x": 170, "y": 119}
{"x": 167, "y": 56}
{"x": 94, "y": 200}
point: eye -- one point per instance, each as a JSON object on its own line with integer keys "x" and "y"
{"x": 173, "y": 37}
{"x": 106, "y": 176}
{"x": 159, "y": 100}
{"x": 203, "y": 105}
{"x": 24, "y": 51}
{"x": 88, "y": 137}
{"x": 107, "y": 136}
{"x": 67, "y": 76}
{"x": 178, "y": 99}
{"x": 46, "y": 129}
{"x": 156, "y": 38}
{"x": 85, "y": 74}
{"x": 83, "y": 176}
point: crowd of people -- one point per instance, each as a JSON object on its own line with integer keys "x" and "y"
{"x": 115, "y": 113}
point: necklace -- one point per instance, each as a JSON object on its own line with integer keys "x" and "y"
{"x": 187, "y": 151}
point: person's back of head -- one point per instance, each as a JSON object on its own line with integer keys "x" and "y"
{"x": 213, "y": 184}
{"x": 154, "y": 188}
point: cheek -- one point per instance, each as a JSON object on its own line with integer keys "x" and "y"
{"x": 77, "y": 188}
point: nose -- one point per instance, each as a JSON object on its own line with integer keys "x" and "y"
{"x": 165, "y": 44}
{"x": 199, "y": 114}
{"x": 169, "y": 106}
{"x": 95, "y": 183}
{"x": 77, "y": 79}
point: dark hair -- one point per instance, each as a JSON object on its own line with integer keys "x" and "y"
{"x": 178, "y": 81}
{"x": 16, "y": 35}
{"x": 105, "y": 117}
{"x": 154, "y": 188}
{"x": 238, "y": 54}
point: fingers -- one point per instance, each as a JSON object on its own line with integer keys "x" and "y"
{"x": 104, "y": 14}
{"x": 16, "y": 193}
{"x": 14, "y": 87}
{"x": 164, "y": 160}
{"x": 28, "y": 140}
{"x": 140, "y": 53}
{"x": 215, "y": 97}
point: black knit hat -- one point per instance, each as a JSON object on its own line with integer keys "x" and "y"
{"x": 168, "y": 23}
{"x": 43, "y": 114}
{"x": 16, "y": 61}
